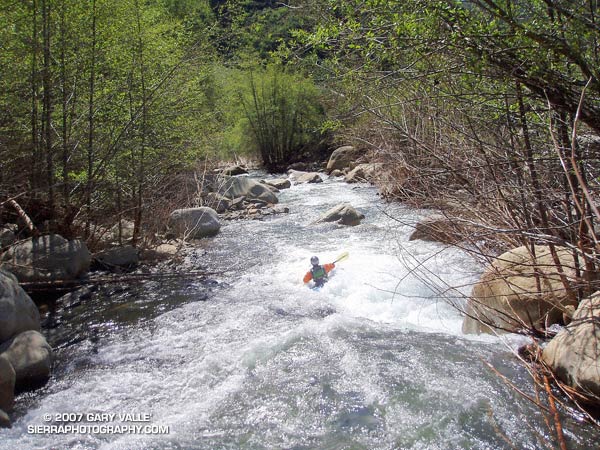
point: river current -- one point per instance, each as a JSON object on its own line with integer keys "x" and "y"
{"x": 255, "y": 360}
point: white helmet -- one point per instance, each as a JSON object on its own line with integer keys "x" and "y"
{"x": 314, "y": 261}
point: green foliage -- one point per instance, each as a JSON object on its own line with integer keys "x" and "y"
{"x": 282, "y": 115}
{"x": 121, "y": 92}
{"x": 265, "y": 112}
{"x": 252, "y": 31}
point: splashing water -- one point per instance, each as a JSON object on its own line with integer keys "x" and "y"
{"x": 374, "y": 360}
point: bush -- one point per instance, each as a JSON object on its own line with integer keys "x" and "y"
{"x": 282, "y": 115}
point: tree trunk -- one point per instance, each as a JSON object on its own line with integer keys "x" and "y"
{"x": 34, "y": 175}
{"x": 90, "y": 143}
{"x": 47, "y": 106}
{"x": 141, "y": 172}
{"x": 64, "y": 129}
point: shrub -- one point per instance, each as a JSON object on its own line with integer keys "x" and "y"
{"x": 282, "y": 115}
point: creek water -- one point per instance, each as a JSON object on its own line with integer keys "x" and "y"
{"x": 256, "y": 360}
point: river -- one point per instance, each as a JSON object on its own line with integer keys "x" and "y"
{"x": 255, "y": 360}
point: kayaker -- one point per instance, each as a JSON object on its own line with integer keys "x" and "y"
{"x": 318, "y": 273}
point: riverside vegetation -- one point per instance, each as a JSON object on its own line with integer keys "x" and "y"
{"x": 485, "y": 110}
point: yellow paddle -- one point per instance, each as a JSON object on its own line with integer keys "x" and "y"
{"x": 342, "y": 257}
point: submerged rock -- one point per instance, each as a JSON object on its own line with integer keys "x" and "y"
{"x": 507, "y": 298}
{"x": 573, "y": 353}
{"x": 47, "y": 258}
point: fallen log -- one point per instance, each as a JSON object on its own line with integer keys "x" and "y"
{"x": 23, "y": 215}
{"x": 38, "y": 287}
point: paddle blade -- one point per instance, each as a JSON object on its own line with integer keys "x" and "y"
{"x": 342, "y": 257}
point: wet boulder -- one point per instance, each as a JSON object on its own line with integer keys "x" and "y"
{"x": 507, "y": 298}
{"x": 195, "y": 223}
{"x": 7, "y": 384}
{"x": 343, "y": 214}
{"x": 47, "y": 258}
{"x": 31, "y": 358}
{"x": 279, "y": 183}
{"x": 18, "y": 313}
{"x": 343, "y": 158}
{"x": 573, "y": 352}
{"x": 304, "y": 177}
{"x": 235, "y": 187}
{"x": 125, "y": 257}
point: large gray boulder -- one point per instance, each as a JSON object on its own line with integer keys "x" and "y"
{"x": 7, "y": 384}
{"x": 31, "y": 358}
{"x": 507, "y": 297}
{"x": 18, "y": 313}
{"x": 235, "y": 187}
{"x": 304, "y": 177}
{"x": 125, "y": 257}
{"x": 343, "y": 214}
{"x": 574, "y": 352}
{"x": 47, "y": 258}
{"x": 195, "y": 223}
{"x": 343, "y": 158}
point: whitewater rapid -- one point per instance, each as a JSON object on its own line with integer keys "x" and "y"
{"x": 374, "y": 360}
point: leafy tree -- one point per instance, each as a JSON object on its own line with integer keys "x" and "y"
{"x": 282, "y": 115}
{"x": 96, "y": 97}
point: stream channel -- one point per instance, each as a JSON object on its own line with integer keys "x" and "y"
{"x": 253, "y": 359}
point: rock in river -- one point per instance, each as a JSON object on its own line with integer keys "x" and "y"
{"x": 18, "y": 313}
{"x": 47, "y": 258}
{"x": 195, "y": 223}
